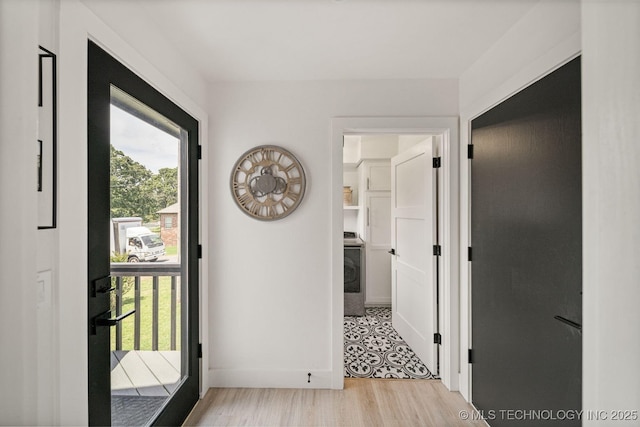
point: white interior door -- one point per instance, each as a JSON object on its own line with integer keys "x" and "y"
{"x": 413, "y": 267}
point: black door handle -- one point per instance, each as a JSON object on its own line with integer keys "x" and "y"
{"x": 112, "y": 321}
{"x": 105, "y": 319}
{"x": 392, "y": 251}
{"x": 568, "y": 322}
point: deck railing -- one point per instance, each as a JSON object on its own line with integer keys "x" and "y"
{"x": 137, "y": 271}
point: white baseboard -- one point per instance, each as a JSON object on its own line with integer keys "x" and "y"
{"x": 249, "y": 378}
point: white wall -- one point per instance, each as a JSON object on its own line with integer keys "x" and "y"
{"x": 43, "y": 379}
{"x": 47, "y": 261}
{"x": 351, "y": 149}
{"x": 544, "y": 39}
{"x": 538, "y": 41}
{"x": 30, "y": 396}
{"x": 18, "y": 135}
{"x": 271, "y": 282}
{"x": 611, "y": 206}
{"x": 378, "y": 146}
{"x": 405, "y": 142}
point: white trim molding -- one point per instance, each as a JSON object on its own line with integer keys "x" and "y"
{"x": 447, "y": 127}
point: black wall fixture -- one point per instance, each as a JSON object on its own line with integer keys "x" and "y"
{"x": 46, "y": 163}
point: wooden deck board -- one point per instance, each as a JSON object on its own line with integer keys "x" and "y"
{"x": 143, "y": 380}
{"x": 121, "y": 385}
{"x": 144, "y": 373}
{"x": 164, "y": 371}
{"x": 172, "y": 357}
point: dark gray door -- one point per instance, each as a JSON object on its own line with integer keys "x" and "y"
{"x": 526, "y": 254}
{"x": 165, "y": 386}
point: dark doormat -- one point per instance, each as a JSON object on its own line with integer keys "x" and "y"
{"x": 134, "y": 410}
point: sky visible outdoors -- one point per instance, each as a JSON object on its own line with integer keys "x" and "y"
{"x": 144, "y": 143}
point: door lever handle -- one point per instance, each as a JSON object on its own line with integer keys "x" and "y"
{"x": 105, "y": 319}
{"x": 112, "y": 321}
{"x": 392, "y": 251}
{"x": 571, "y": 323}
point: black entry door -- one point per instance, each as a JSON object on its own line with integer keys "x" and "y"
{"x": 155, "y": 385}
{"x": 526, "y": 255}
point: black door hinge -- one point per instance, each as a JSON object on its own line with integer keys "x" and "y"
{"x": 470, "y": 151}
{"x": 470, "y": 355}
{"x": 437, "y": 162}
{"x": 437, "y": 338}
{"x": 199, "y": 251}
{"x": 470, "y": 254}
{"x": 199, "y": 152}
{"x": 437, "y": 250}
{"x": 199, "y": 350}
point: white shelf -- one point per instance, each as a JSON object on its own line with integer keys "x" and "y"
{"x": 351, "y": 208}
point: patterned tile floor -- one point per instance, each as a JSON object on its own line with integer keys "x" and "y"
{"x": 373, "y": 349}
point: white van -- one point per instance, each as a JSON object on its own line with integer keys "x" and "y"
{"x": 129, "y": 236}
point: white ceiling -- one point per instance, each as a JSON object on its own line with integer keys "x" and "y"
{"x": 253, "y": 40}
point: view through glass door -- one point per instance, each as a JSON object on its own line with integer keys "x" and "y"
{"x": 143, "y": 261}
{"x": 146, "y": 360}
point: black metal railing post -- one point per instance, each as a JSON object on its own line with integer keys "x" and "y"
{"x": 136, "y": 324}
{"x": 173, "y": 312}
{"x": 154, "y": 315}
{"x": 118, "y": 312}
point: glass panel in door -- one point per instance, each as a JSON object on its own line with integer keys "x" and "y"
{"x": 146, "y": 231}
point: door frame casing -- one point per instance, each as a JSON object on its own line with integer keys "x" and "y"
{"x": 449, "y": 285}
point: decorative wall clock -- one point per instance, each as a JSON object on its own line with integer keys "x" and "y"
{"x": 268, "y": 182}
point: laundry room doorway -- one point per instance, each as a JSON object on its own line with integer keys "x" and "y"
{"x": 390, "y": 186}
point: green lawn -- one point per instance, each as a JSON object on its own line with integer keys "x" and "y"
{"x": 171, "y": 250}
{"x": 146, "y": 306}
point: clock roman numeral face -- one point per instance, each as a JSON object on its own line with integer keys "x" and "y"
{"x": 268, "y": 182}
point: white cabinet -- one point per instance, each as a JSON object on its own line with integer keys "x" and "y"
{"x": 377, "y": 175}
{"x": 375, "y": 202}
{"x": 378, "y": 230}
{"x": 378, "y": 242}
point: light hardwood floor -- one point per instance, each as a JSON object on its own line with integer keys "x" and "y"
{"x": 363, "y": 402}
